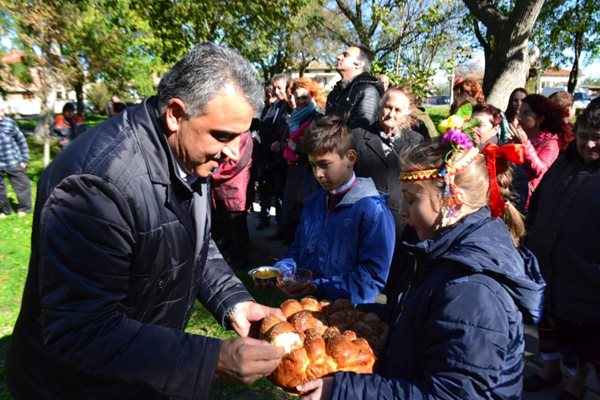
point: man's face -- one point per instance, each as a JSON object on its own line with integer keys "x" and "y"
{"x": 331, "y": 170}
{"x": 348, "y": 60}
{"x": 385, "y": 81}
{"x": 588, "y": 143}
{"x": 280, "y": 89}
{"x": 201, "y": 143}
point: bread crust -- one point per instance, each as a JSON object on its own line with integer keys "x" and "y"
{"x": 334, "y": 336}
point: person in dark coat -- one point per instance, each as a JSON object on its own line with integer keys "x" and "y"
{"x": 356, "y": 96}
{"x": 456, "y": 325}
{"x": 378, "y": 158}
{"x": 269, "y": 167}
{"x": 121, "y": 250}
{"x": 564, "y": 233}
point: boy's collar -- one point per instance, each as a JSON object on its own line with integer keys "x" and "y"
{"x": 345, "y": 186}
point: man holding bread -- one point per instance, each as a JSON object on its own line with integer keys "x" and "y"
{"x": 121, "y": 249}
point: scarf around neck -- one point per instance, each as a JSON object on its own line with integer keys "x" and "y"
{"x": 299, "y": 115}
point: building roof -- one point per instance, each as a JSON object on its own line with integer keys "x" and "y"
{"x": 556, "y": 72}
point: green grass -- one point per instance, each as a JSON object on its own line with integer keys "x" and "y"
{"x": 437, "y": 113}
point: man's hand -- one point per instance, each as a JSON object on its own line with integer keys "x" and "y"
{"x": 244, "y": 360}
{"x": 321, "y": 389}
{"x": 250, "y": 313}
{"x": 23, "y": 165}
{"x": 275, "y": 147}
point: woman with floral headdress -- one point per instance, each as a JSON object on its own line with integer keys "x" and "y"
{"x": 456, "y": 325}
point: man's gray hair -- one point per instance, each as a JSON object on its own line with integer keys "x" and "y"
{"x": 279, "y": 77}
{"x": 199, "y": 76}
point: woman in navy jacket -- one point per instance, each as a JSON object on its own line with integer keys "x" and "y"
{"x": 456, "y": 324}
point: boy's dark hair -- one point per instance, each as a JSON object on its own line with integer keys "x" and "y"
{"x": 328, "y": 134}
{"x": 590, "y": 117}
{"x": 68, "y": 107}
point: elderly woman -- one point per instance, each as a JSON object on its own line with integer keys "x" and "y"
{"x": 378, "y": 156}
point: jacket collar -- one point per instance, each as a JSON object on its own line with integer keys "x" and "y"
{"x": 157, "y": 154}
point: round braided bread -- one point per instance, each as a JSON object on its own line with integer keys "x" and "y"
{"x": 320, "y": 338}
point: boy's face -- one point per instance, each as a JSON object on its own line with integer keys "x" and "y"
{"x": 331, "y": 170}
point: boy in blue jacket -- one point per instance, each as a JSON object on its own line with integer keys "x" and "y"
{"x": 346, "y": 234}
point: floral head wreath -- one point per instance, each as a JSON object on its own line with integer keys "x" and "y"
{"x": 457, "y": 130}
{"x": 458, "y": 134}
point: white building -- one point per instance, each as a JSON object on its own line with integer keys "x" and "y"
{"x": 22, "y": 100}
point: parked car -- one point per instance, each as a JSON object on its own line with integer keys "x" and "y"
{"x": 443, "y": 100}
{"x": 581, "y": 100}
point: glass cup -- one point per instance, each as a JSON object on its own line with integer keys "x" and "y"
{"x": 303, "y": 276}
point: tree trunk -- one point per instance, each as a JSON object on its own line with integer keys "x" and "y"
{"x": 574, "y": 74}
{"x": 507, "y": 58}
{"x": 79, "y": 96}
{"x": 507, "y": 69}
{"x": 577, "y": 48}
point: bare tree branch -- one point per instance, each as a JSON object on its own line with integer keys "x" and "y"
{"x": 487, "y": 13}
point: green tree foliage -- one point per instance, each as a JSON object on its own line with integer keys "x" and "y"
{"x": 574, "y": 25}
{"x": 260, "y": 30}
{"x": 75, "y": 42}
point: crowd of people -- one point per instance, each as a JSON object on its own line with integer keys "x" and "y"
{"x": 469, "y": 234}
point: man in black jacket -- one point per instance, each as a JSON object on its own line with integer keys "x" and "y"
{"x": 121, "y": 249}
{"x": 357, "y": 95}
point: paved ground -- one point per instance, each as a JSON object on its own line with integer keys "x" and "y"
{"x": 265, "y": 252}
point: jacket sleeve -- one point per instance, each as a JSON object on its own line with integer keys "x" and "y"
{"x": 218, "y": 274}
{"x": 462, "y": 351}
{"x": 538, "y": 161}
{"x": 21, "y": 143}
{"x": 366, "y": 279}
{"x": 364, "y": 113}
{"x": 87, "y": 243}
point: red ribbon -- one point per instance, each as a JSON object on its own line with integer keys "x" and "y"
{"x": 510, "y": 152}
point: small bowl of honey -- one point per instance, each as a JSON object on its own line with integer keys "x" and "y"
{"x": 264, "y": 277}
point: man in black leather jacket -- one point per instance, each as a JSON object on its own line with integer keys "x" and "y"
{"x": 121, "y": 249}
{"x": 357, "y": 95}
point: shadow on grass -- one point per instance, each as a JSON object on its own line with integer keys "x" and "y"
{"x": 4, "y": 393}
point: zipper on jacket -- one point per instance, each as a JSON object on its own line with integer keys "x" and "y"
{"x": 159, "y": 287}
{"x": 409, "y": 287}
